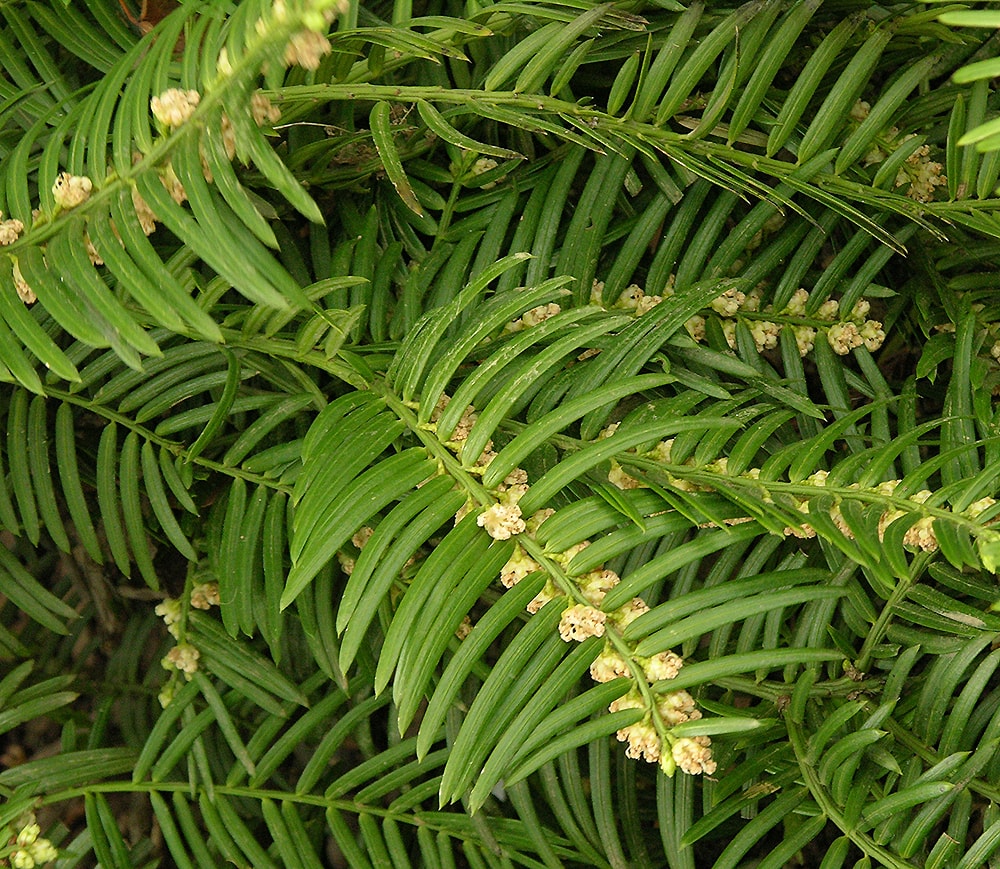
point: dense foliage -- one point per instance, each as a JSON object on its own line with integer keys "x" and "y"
{"x": 439, "y": 391}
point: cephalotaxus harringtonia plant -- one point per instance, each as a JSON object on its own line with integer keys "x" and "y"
{"x": 515, "y": 434}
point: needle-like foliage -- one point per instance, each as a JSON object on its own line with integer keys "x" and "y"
{"x": 539, "y": 433}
